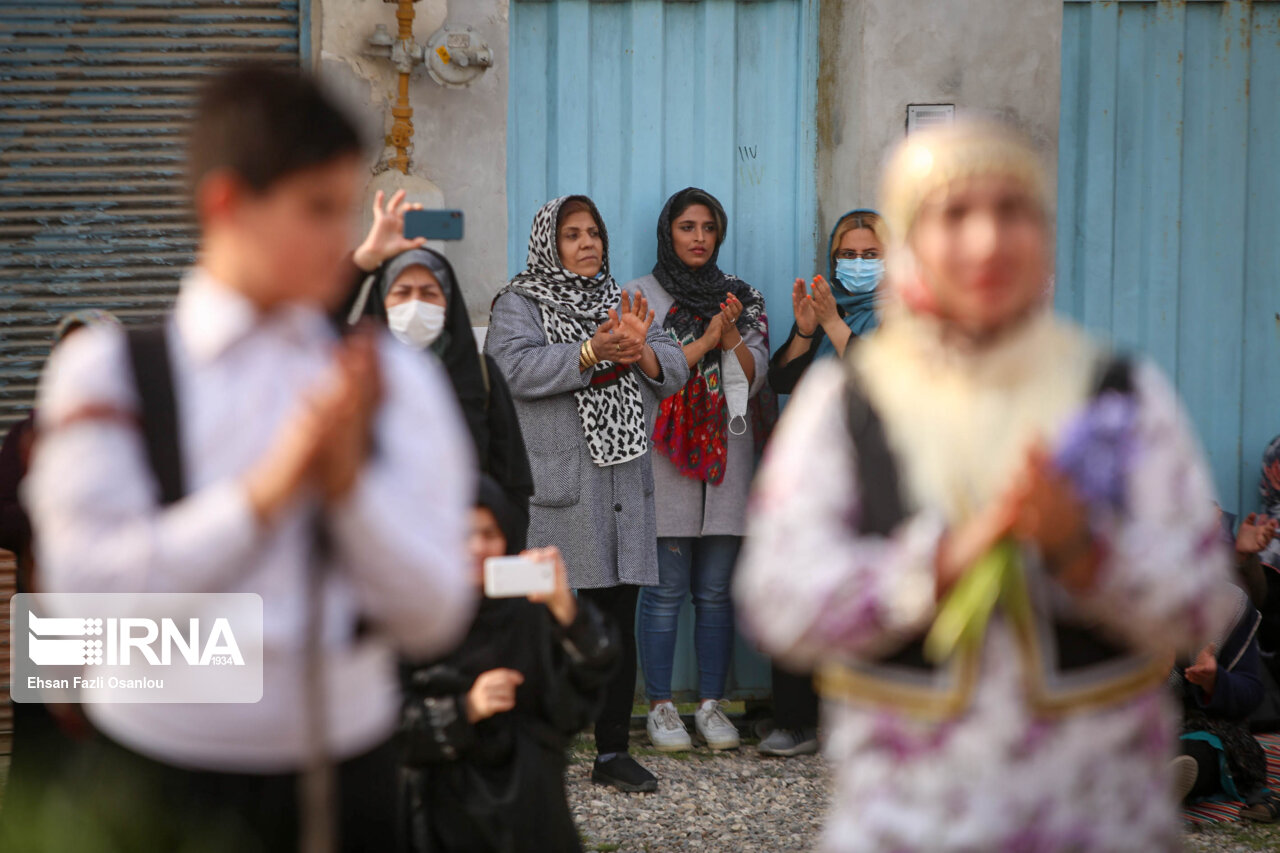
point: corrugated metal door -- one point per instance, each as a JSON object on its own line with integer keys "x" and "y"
{"x": 93, "y": 211}
{"x": 629, "y": 102}
{"x": 1169, "y": 188}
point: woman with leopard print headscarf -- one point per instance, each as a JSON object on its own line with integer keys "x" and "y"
{"x": 587, "y": 367}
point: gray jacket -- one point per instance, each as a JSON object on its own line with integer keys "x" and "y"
{"x": 689, "y": 507}
{"x": 601, "y": 518}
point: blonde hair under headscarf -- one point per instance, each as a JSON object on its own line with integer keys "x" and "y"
{"x": 930, "y": 160}
{"x": 958, "y": 450}
{"x": 933, "y": 159}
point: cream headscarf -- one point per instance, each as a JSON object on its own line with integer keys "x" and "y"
{"x": 930, "y": 160}
{"x": 959, "y": 417}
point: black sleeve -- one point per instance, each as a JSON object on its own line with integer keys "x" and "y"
{"x": 508, "y": 459}
{"x": 355, "y": 277}
{"x": 783, "y": 378}
{"x": 15, "y": 527}
{"x": 583, "y": 657}
{"x": 435, "y": 728}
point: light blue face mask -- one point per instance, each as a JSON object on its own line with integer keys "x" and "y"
{"x": 860, "y": 275}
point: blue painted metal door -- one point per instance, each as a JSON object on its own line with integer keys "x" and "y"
{"x": 1169, "y": 190}
{"x": 629, "y": 102}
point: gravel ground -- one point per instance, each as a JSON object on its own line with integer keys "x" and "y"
{"x": 708, "y": 801}
{"x": 741, "y": 802}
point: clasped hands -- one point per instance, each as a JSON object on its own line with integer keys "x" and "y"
{"x": 621, "y": 338}
{"x": 1039, "y": 507}
{"x": 325, "y": 442}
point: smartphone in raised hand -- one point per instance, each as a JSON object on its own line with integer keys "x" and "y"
{"x": 517, "y": 577}
{"x": 433, "y": 224}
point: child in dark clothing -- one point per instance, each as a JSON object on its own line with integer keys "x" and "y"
{"x": 486, "y": 727}
{"x": 1218, "y": 691}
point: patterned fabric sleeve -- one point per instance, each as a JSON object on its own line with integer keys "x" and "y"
{"x": 1166, "y": 564}
{"x": 809, "y": 584}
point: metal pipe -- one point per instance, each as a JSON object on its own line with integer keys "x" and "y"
{"x": 401, "y": 135}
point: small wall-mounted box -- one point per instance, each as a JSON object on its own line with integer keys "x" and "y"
{"x": 921, "y": 116}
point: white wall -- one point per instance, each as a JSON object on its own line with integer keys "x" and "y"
{"x": 998, "y": 57}
{"x": 877, "y": 56}
{"x": 460, "y": 135}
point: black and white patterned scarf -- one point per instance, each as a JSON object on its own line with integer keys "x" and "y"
{"x": 573, "y": 307}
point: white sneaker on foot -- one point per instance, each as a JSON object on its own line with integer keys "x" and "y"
{"x": 714, "y": 727}
{"x": 666, "y": 730}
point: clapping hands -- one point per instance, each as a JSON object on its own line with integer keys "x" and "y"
{"x": 621, "y": 338}
{"x": 1255, "y": 533}
{"x": 1204, "y": 672}
{"x": 326, "y": 442}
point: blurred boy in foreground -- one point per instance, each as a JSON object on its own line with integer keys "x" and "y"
{"x": 284, "y": 429}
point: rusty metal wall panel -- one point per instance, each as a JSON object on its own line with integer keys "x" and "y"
{"x": 94, "y": 95}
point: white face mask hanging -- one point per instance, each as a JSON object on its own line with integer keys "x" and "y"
{"x": 416, "y": 323}
{"x": 736, "y": 388}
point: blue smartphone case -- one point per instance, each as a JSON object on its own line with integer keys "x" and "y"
{"x": 433, "y": 224}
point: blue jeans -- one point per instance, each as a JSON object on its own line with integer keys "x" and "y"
{"x": 702, "y": 566}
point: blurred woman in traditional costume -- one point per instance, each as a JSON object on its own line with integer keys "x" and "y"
{"x": 1006, "y": 534}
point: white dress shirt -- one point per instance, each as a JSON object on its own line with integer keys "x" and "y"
{"x": 398, "y": 538}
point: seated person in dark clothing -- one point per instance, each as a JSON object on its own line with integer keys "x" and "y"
{"x": 1269, "y": 557}
{"x": 1254, "y": 541}
{"x": 487, "y": 727}
{"x": 1218, "y": 690}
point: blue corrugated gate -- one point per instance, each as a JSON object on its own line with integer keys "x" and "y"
{"x": 1169, "y": 195}
{"x": 629, "y": 102}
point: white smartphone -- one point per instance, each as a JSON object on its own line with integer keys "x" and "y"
{"x": 517, "y": 577}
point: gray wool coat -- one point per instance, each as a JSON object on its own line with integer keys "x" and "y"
{"x": 689, "y": 507}
{"x": 602, "y": 519}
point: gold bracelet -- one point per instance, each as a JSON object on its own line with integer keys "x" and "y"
{"x": 591, "y": 355}
{"x": 587, "y": 356}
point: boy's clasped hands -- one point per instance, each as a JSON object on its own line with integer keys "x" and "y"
{"x": 326, "y": 442}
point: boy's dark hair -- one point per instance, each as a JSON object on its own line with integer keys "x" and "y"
{"x": 264, "y": 123}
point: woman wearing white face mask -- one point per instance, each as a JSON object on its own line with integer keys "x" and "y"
{"x": 830, "y": 312}
{"x": 418, "y": 296}
{"x": 415, "y": 299}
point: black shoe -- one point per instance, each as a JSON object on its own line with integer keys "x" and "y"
{"x": 624, "y": 773}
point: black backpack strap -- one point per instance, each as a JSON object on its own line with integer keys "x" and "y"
{"x": 158, "y": 408}
{"x": 1115, "y": 376}
{"x": 882, "y": 509}
{"x": 879, "y": 493}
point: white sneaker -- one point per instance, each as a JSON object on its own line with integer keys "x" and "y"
{"x": 714, "y": 727}
{"x": 666, "y": 730}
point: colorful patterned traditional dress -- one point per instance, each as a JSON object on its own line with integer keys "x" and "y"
{"x": 1016, "y": 749}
